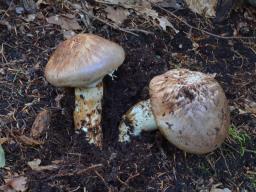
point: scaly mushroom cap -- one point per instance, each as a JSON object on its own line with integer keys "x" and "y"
{"x": 82, "y": 60}
{"x": 190, "y": 109}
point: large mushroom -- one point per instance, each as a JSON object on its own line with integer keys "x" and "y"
{"x": 188, "y": 107}
{"x": 81, "y": 62}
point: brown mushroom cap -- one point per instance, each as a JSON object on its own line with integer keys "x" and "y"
{"x": 82, "y": 60}
{"x": 190, "y": 109}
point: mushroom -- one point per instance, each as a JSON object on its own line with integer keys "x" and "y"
{"x": 81, "y": 62}
{"x": 189, "y": 108}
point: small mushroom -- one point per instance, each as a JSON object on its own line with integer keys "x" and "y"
{"x": 189, "y": 108}
{"x": 81, "y": 62}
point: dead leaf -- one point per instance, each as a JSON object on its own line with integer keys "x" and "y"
{"x": 206, "y": 8}
{"x": 17, "y": 184}
{"x": 68, "y": 34}
{"x": 250, "y": 106}
{"x": 163, "y": 22}
{"x": 41, "y": 123}
{"x": 39, "y": 2}
{"x": 67, "y": 22}
{"x": 3, "y": 140}
{"x": 142, "y": 8}
{"x": 29, "y": 141}
{"x": 117, "y": 15}
{"x": 35, "y": 165}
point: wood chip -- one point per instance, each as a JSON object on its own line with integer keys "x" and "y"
{"x": 41, "y": 123}
{"x": 35, "y": 165}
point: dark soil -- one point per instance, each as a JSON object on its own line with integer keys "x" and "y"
{"x": 148, "y": 163}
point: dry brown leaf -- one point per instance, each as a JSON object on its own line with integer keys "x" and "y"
{"x": 117, "y": 15}
{"x": 3, "y": 140}
{"x": 35, "y": 165}
{"x": 206, "y": 8}
{"x": 143, "y": 8}
{"x": 163, "y": 21}
{"x": 41, "y": 123}
{"x": 250, "y": 106}
{"x": 29, "y": 141}
{"x": 17, "y": 184}
{"x": 67, "y": 22}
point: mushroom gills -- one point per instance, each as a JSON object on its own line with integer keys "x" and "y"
{"x": 87, "y": 114}
{"x": 137, "y": 119}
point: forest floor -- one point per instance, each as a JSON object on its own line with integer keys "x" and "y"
{"x": 148, "y": 163}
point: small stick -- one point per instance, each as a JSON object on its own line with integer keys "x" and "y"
{"x": 75, "y": 172}
{"x": 102, "y": 178}
{"x": 121, "y": 181}
{"x": 131, "y": 177}
{"x": 201, "y": 30}
{"x": 126, "y": 30}
{"x": 88, "y": 168}
{"x": 225, "y": 161}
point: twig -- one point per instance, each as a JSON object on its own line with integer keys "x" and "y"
{"x": 141, "y": 30}
{"x": 121, "y": 181}
{"x": 5, "y": 12}
{"x": 201, "y": 30}
{"x": 89, "y": 168}
{"x": 126, "y": 183}
{"x": 245, "y": 150}
{"x": 103, "y": 180}
{"x": 225, "y": 161}
{"x": 75, "y": 172}
{"x": 131, "y": 177}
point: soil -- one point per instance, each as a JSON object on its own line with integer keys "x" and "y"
{"x": 149, "y": 162}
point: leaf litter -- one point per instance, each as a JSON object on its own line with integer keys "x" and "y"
{"x": 16, "y": 184}
{"x": 66, "y": 22}
{"x": 142, "y": 8}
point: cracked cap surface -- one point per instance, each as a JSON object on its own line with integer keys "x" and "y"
{"x": 191, "y": 109}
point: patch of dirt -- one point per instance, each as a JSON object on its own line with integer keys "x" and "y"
{"x": 148, "y": 163}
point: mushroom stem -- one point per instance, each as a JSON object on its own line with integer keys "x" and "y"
{"x": 137, "y": 119}
{"x": 87, "y": 114}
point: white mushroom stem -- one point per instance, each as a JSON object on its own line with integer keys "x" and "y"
{"x": 87, "y": 114}
{"x": 139, "y": 118}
